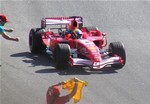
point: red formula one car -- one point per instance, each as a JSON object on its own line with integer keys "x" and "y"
{"x": 66, "y": 52}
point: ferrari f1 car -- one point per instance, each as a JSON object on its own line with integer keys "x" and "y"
{"x": 87, "y": 51}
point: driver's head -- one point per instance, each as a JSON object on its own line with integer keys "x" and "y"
{"x": 73, "y": 25}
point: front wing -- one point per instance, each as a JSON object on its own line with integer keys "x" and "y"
{"x": 95, "y": 65}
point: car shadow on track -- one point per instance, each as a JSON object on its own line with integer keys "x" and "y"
{"x": 34, "y": 59}
{"x": 72, "y": 71}
{"x": 78, "y": 71}
{"x": 45, "y": 60}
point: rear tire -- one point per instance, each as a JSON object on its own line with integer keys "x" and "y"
{"x": 61, "y": 56}
{"x": 35, "y": 41}
{"x": 118, "y": 49}
{"x": 89, "y": 28}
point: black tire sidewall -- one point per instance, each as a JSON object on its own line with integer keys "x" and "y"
{"x": 62, "y": 54}
{"x": 118, "y": 49}
{"x": 35, "y": 41}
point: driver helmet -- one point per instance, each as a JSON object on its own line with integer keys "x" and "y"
{"x": 78, "y": 33}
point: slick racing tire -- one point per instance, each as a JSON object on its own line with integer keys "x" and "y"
{"x": 35, "y": 41}
{"x": 117, "y": 48}
{"x": 89, "y": 28}
{"x": 61, "y": 56}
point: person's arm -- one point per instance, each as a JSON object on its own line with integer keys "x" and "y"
{"x": 4, "y": 35}
{"x": 8, "y": 30}
{"x": 58, "y": 84}
{"x": 49, "y": 94}
{"x": 74, "y": 88}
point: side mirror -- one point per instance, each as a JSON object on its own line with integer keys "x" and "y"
{"x": 104, "y": 34}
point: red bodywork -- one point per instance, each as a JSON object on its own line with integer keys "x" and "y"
{"x": 90, "y": 45}
{"x": 86, "y": 45}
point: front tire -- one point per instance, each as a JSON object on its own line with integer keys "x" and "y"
{"x": 118, "y": 49}
{"x": 61, "y": 56}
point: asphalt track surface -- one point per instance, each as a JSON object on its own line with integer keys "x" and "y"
{"x": 26, "y": 77}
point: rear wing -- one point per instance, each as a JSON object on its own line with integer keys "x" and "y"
{"x": 60, "y": 21}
